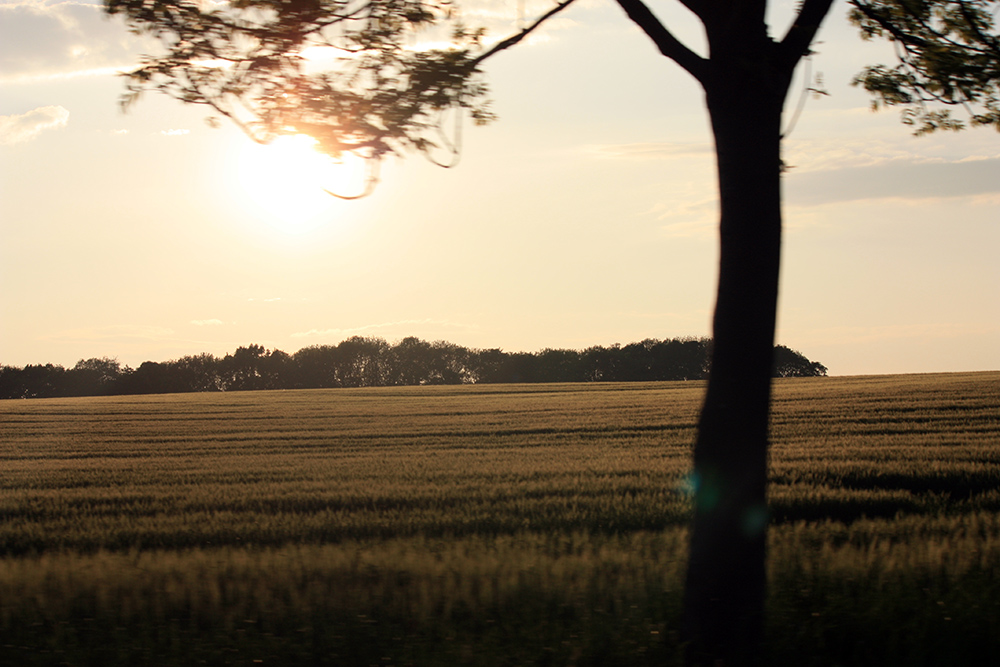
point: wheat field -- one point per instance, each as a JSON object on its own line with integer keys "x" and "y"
{"x": 487, "y": 525}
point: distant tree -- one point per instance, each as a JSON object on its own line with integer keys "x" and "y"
{"x": 789, "y": 363}
{"x": 276, "y": 370}
{"x": 241, "y": 370}
{"x": 9, "y": 381}
{"x": 412, "y": 359}
{"x": 315, "y": 367}
{"x": 488, "y": 365}
{"x": 199, "y": 372}
{"x": 451, "y": 364}
{"x": 363, "y": 362}
{"x": 634, "y": 362}
{"x": 599, "y": 363}
{"x": 152, "y": 378}
{"x": 33, "y": 381}
{"x": 559, "y": 366}
{"x": 693, "y": 358}
{"x": 520, "y": 367}
{"x": 678, "y": 360}
{"x": 93, "y": 377}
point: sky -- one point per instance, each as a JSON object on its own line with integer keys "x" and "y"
{"x": 586, "y": 215}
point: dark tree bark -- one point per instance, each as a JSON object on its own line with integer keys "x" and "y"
{"x": 746, "y": 79}
{"x": 725, "y": 585}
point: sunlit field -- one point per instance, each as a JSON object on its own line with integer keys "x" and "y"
{"x": 487, "y": 525}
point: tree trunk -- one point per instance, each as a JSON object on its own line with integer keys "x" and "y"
{"x": 725, "y": 586}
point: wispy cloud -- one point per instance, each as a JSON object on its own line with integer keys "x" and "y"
{"x": 26, "y": 126}
{"x": 648, "y": 150}
{"x": 136, "y": 343}
{"x": 116, "y": 332}
{"x": 174, "y": 133}
{"x": 830, "y": 154}
{"x": 372, "y": 328}
{"x": 851, "y": 335}
{"x": 43, "y": 40}
{"x": 910, "y": 179}
{"x": 206, "y": 323}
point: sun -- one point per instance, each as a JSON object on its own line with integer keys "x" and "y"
{"x": 287, "y": 181}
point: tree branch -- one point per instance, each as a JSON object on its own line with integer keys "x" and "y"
{"x": 889, "y": 26}
{"x": 699, "y": 8}
{"x": 665, "y": 41}
{"x": 992, "y": 43}
{"x": 517, "y": 37}
{"x": 798, "y": 38}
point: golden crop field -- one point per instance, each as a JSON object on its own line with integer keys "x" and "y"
{"x": 486, "y": 525}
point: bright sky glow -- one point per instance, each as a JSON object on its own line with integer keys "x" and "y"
{"x": 291, "y": 182}
{"x": 586, "y": 215}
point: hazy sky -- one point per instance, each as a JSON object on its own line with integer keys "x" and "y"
{"x": 585, "y": 216}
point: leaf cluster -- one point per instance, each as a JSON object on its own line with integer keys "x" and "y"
{"x": 949, "y": 56}
{"x": 256, "y": 62}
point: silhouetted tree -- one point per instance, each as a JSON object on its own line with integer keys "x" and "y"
{"x": 315, "y": 367}
{"x": 373, "y": 362}
{"x": 241, "y": 370}
{"x": 363, "y": 362}
{"x": 387, "y": 98}
{"x": 412, "y": 359}
{"x": 10, "y": 382}
{"x": 450, "y": 364}
{"x": 520, "y": 367}
{"x": 33, "y": 381}
{"x": 634, "y": 364}
{"x": 93, "y": 377}
{"x": 599, "y": 363}
{"x": 153, "y": 378}
{"x": 559, "y": 366}
{"x": 199, "y": 372}
{"x": 488, "y": 365}
{"x": 692, "y": 358}
{"x": 789, "y": 363}
{"x": 276, "y": 369}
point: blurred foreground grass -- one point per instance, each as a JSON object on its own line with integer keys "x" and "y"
{"x": 511, "y": 525}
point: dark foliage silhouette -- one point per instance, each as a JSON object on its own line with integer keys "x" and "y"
{"x": 372, "y": 362}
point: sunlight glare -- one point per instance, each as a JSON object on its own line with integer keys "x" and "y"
{"x": 285, "y": 181}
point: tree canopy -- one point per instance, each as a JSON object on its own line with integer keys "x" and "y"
{"x": 251, "y": 61}
{"x": 379, "y": 77}
{"x": 372, "y": 362}
{"x": 948, "y": 56}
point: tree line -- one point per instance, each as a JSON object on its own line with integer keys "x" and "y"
{"x": 373, "y": 362}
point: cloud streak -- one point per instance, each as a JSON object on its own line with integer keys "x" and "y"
{"x": 906, "y": 179}
{"x": 371, "y": 328}
{"x": 851, "y": 335}
{"x": 824, "y": 172}
{"x": 648, "y": 150}
{"x": 40, "y": 40}
{"x": 119, "y": 332}
{"x": 25, "y": 127}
